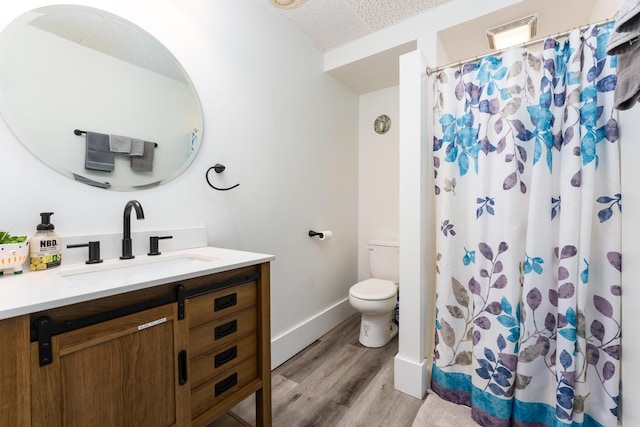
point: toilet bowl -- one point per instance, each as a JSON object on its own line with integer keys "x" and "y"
{"x": 376, "y": 298}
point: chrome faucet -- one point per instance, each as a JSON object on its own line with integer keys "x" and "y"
{"x": 126, "y": 234}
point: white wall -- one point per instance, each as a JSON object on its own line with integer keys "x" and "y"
{"x": 607, "y": 8}
{"x": 378, "y": 209}
{"x": 411, "y": 365}
{"x": 287, "y": 132}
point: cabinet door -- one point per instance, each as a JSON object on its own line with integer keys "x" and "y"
{"x": 14, "y": 372}
{"x": 121, "y": 372}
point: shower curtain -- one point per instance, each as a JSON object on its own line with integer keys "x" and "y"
{"x": 528, "y": 205}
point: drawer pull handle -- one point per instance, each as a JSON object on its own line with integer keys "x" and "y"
{"x": 226, "y": 384}
{"x": 226, "y": 356}
{"x": 225, "y": 329}
{"x": 225, "y": 302}
{"x": 182, "y": 367}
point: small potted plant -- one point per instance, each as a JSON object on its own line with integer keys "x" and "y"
{"x": 14, "y": 251}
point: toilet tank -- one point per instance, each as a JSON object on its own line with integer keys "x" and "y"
{"x": 384, "y": 259}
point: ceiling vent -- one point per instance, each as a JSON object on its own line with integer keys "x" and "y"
{"x": 512, "y": 34}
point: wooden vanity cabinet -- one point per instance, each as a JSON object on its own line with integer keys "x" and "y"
{"x": 120, "y": 372}
{"x": 143, "y": 358}
{"x": 222, "y": 346}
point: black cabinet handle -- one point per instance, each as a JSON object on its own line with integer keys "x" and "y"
{"x": 182, "y": 367}
{"x": 180, "y": 296}
{"x": 226, "y": 384}
{"x": 226, "y": 356}
{"x": 225, "y": 302}
{"x": 225, "y": 329}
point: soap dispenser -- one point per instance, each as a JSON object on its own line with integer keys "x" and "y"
{"x": 45, "y": 246}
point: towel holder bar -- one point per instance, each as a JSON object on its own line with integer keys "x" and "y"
{"x": 80, "y": 132}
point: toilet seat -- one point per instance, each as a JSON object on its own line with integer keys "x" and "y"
{"x": 373, "y": 290}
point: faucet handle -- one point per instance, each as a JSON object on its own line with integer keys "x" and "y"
{"x": 153, "y": 244}
{"x": 94, "y": 251}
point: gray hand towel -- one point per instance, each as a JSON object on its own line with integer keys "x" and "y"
{"x": 98, "y": 156}
{"x": 137, "y": 147}
{"x": 627, "y": 91}
{"x": 626, "y": 30}
{"x": 119, "y": 144}
{"x": 144, "y": 163}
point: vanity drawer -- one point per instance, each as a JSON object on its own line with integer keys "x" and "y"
{"x": 214, "y": 305}
{"x": 210, "y": 364}
{"x": 216, "y": 335}
{"x": 207, "y": 395}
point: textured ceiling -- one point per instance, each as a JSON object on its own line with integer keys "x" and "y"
{"x": 332, "y": 23}
{"x": 108, "y": 34}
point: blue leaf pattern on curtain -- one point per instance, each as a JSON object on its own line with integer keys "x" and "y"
{"x": 528, "y": 258}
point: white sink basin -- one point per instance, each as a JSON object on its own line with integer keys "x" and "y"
{"x": 128, "y": 270}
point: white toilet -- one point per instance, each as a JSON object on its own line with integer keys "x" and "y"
{"x": 376, "y": 298}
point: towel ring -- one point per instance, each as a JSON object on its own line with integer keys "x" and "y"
{"x": 219, "y": 169}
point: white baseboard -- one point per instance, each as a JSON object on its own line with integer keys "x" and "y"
{"x": 293, "y": 341}
{"x": 410, "y": 377}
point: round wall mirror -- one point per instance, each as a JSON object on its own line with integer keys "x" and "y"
{"x": 71, "y": 76}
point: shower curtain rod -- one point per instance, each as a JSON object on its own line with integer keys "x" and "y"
{"x": 431, "y": 71}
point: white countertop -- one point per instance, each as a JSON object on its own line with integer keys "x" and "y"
{"x": 34, "y": 291}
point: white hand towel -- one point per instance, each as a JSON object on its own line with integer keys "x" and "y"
{"x": 119, "y": 144}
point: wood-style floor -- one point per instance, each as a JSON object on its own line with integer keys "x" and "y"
{"x": 334, "y": 382}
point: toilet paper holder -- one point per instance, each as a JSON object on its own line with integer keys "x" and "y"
{"x": 322, "y": 235}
